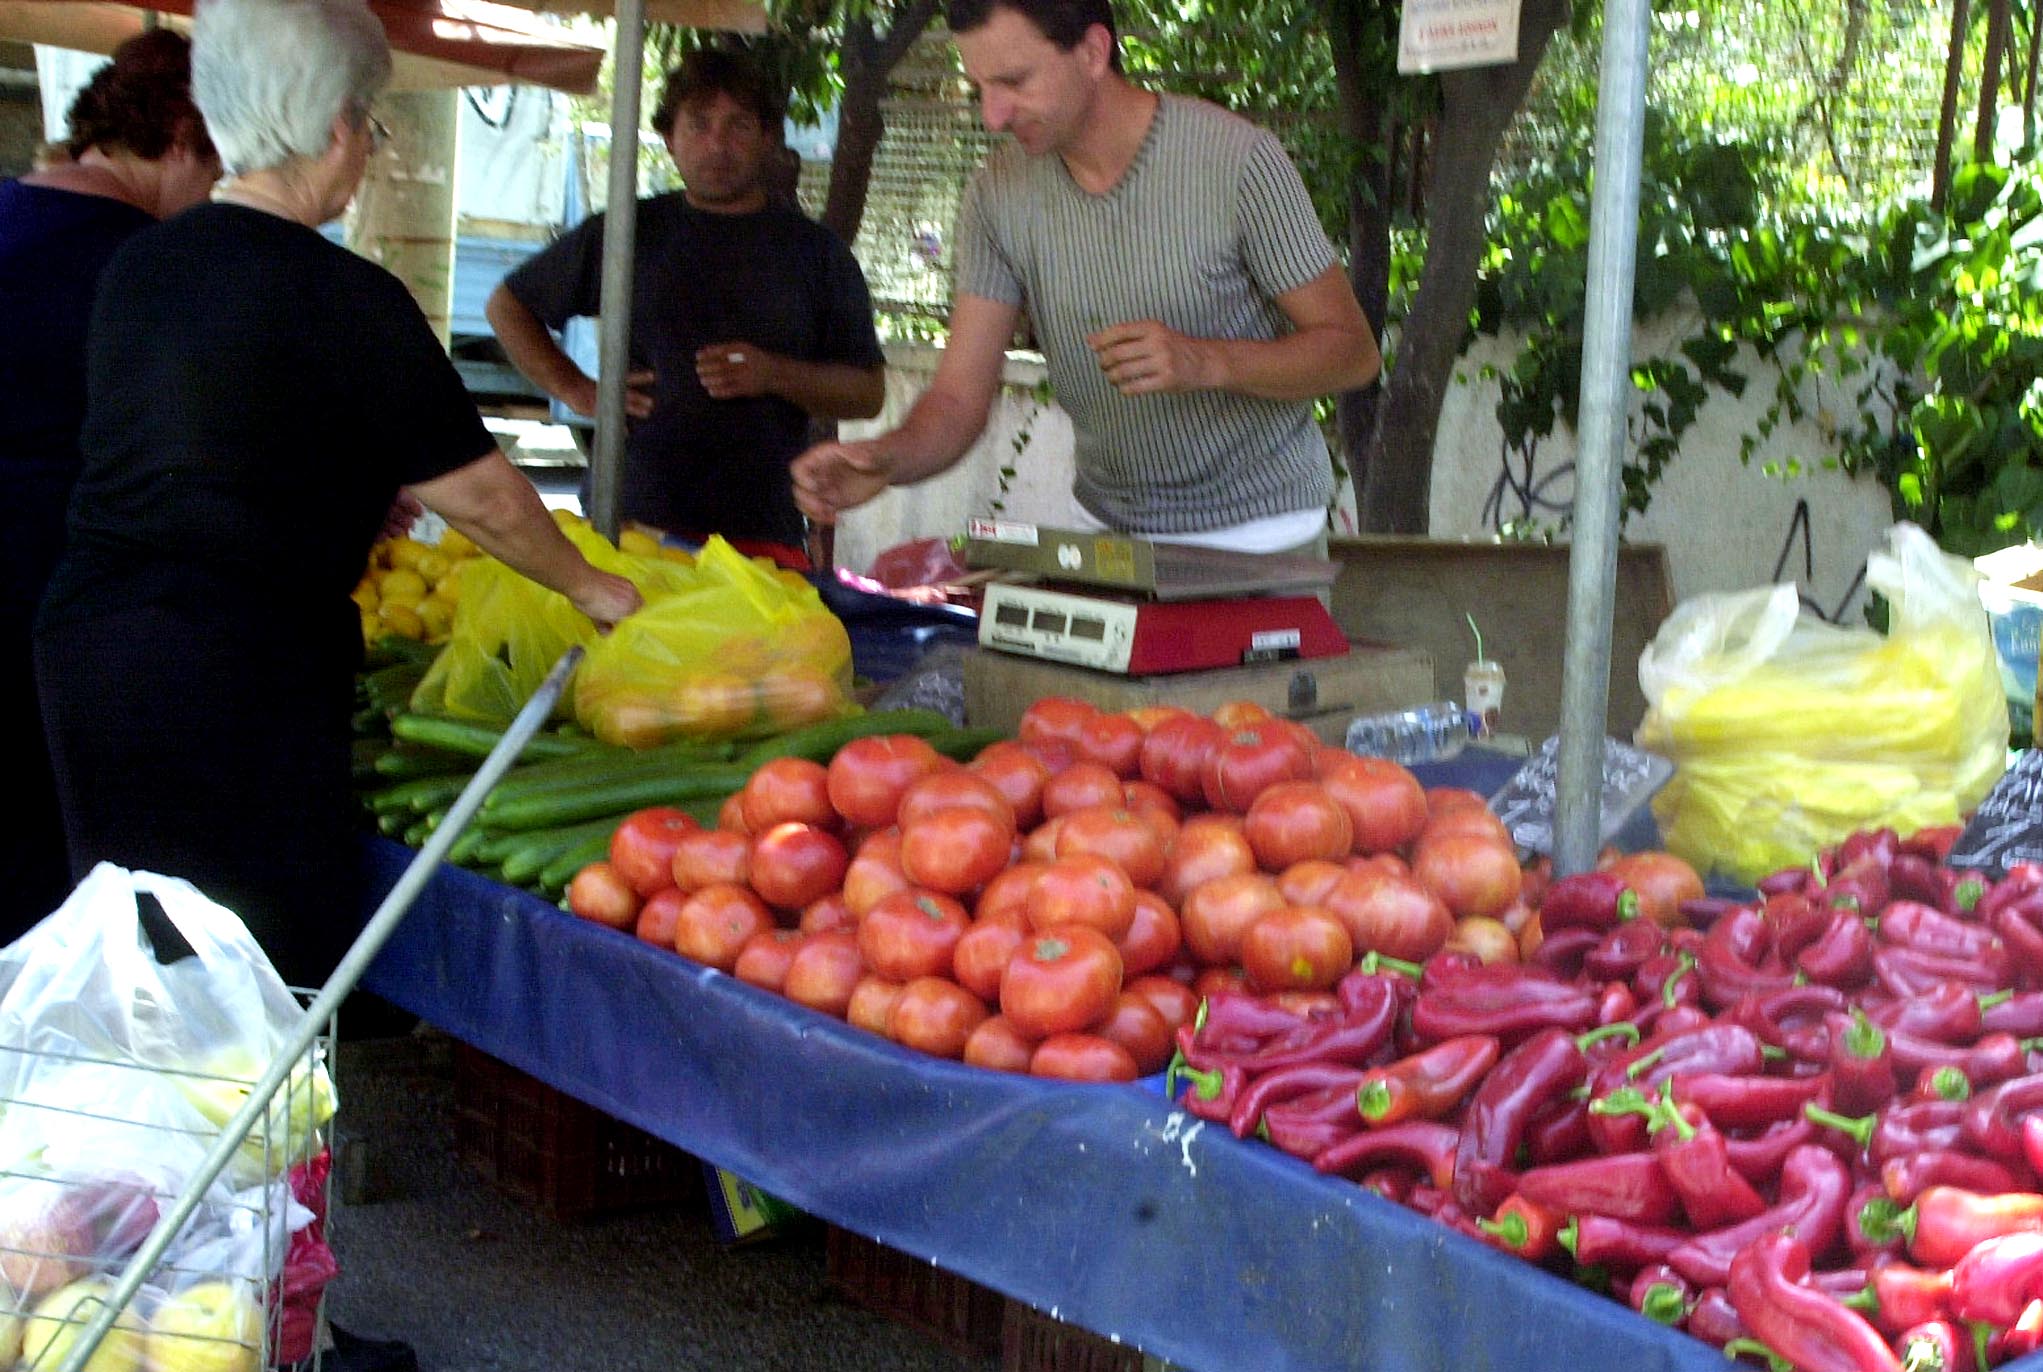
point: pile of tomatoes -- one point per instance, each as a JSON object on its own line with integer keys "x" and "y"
{"x": 1060, "y": 904}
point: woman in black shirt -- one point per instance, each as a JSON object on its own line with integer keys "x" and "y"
{"x": 256, "y": 398}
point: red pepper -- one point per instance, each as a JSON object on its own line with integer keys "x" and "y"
{"x": 2032, "y": 1142}
{"x": 1905, "y": 1178}
{"x": 1718, "y": 1048}
{"x": 1918, "y": 1126}
{"x": 2023, "y": 880}
{"x": 1761, "y": 1158}
{"x": 1935, "y": 1346}
{"x": 1619, "y": 1245}
{"x": 1944, "y": 1083}
{"x": 1509, "y": 1003}
{"x": 1288, "y": 1083}
{"x": 1842, "y": 955}
{"x": 1912, "y": 876}
{"x": 1560, "y": 1133}
{"x": 1565, "y": 956}
{"x": 1619, "y": 954}
{"x": 1898, "y": 1296}
{"x": 1737, "y": 959}
{"x": 1425, "y": 1085}
{"x": 1420, "y": 1143}
{"x": 1949, "y": 1223}
{"x": 1625, "y": 1186}
{"x": 1998, "y": 1278}
{"x": 1391, "y": 1183}
{"x": 1814, "y": 1186}
{"x": 2019, "y": 1013}
{"x": 1805, "y": 1326}
{"x": 1661, "y": 1294}
{"x": 1532, "y": 1076}
{"x": 1350, "y": 1039}
{"x": 1870, "y": 1229}
{"x": 1784, "y": 882}
{"x": 1668, "y": 980}
{"x": 1616, "y": 1005}
{"x": 1991, "y": 1118}
{"x": 1238, "y": 1015}
{"x": 1798, "y": 920}
{"x": 1698, "y": 1164}
{"x": 1995, "y": 1057}
{"x": 1587, "y": 900}
{"x": 1523, "y": 1227}
{"x": 1713, "y": 1319}
{"x": 1861, "y": 1065}
{"x": 2017, "y": 922}
{"x": 1308, "y": 1125}
{"x": 1912, "y": 924}
{"x": 1746, "y": 1102}
{"x": 2025, "y": 1335}
{"x": 1949, "y": 1012}
{"x": 1907, "y": 972}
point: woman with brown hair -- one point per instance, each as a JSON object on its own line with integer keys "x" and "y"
{"x": 137, "y": 152}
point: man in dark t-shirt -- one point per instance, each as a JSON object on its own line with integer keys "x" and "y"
{"x": 748, "y": 320}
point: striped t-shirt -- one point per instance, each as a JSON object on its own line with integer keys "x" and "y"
{"x": 1204, "y": 230}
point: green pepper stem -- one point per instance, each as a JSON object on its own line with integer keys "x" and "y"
{"x": 1173, "y": 1070}
{"x": 1982, "y": 1341}
{"x": 1375, "y": 962}
{"x": 1570, "y": 1233}
{"x": 1670, "y": 1113}
{"x": 1642, "y": 1065}
{"x": 1772, "y": 1052}
{"x": 1864, "y": 1039}
{"x": 1207, "y": 1084}
{"x": 2031, "y": 1045}
{"x": 1625, "y": 1100}
{"x": 1510, "y": 1230}
{"x": 1966, "y": 895}
{"x": 1859, "y": 1129}
{"x": 1882, "y": 1221}
{"x": 1617, "y": 1029}
{"x": 1627, "y": 905}
{"x": 1951, "y": 1083}
{"x": 1373, "y": 1099}
{"x": 1865, "y": 1300}
{"x": 1922, "y": 1355}
{"x": 1199, "y": 1019}
{"x": 1663, "y": 1304}
{"x": 1753, "y": 1348}
{"x": 1997, "y": 998}
{"x": 1669, "y": 990}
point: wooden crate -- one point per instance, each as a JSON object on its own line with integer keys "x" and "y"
{"x": 1321, "y": 693}
{"x": 1031, "y": 1341}
{"x": 961, "y": 1315}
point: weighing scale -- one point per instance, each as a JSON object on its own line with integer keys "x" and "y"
{"x": 1129, "y": 606}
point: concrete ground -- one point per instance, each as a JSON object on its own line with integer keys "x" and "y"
{"x": 478, "y": 1282}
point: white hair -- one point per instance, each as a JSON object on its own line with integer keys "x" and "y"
{"x": 270, "y": 76}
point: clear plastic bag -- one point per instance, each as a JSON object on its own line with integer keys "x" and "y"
{"x": 1788, "y": 733}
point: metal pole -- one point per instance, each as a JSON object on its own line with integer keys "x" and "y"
{"x": 381, "y": 926}
{"x": 1605, "y": 396}
{"x": 620, "y": 232}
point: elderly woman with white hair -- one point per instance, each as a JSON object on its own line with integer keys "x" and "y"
{"x": 256, "y": 399}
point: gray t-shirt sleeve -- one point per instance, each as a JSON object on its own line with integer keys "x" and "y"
{"x": 1282, "y": 242}
{"x": 984, "y": 269}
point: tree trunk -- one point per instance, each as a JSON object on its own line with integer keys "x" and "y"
{"x": 1477, "y": 106}
{"x": 2029, "y": 83}
{"x": 1989, "y": 79}
{"x": 1364, "y": 122}
{"x": 868, "y": 62}
{"x": 1947, "y": 113}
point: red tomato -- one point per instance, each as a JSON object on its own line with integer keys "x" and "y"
{"x": 1083, "y": 1057}
{"x": 1145, "y": 796}
{"x": 1385, "y": 803}
{"x": 1241, "y": 714}
{"x": 1392, "y": 915}
{"x": 1248, "y": 761}
{"x": 1662, "y": 881}
{"x": 1060, "y": 980}
{"x": 912, "y": 934}
{"x": 1054, "y": 719}
{"x": 1086, "y": 889}
{"x": 872, "y": 1000}
{"x": 709, "y": 856}
{"x": 1174, "y": 756}
{"x": 1147, "y": 717}
{"x": 1206, "y": 847}
{"x": 1153, "y": 936}
{"x": 1441, "y": 799}
{"x": 1113, "y": 741}
{"x": 1080, "y": 785}
{"x": 827, "y": 912}
{"x": 935, "y": 1016}
{"x": 642, "y": 849}
{"x": 715, "y": 922}
{"x": 869, "y": 775}
{"x": 875, "y": 872}
{"x": 982, "y": 955}
{"x": 1307, "y": 883}
{"x": 1217, "y": 913}
{"x": 794, "y": 864}
{"x": 1294, "y": 821}
{"x": 1137, "y": 1026}
{"x": 1467, "y": 822}
{"x": 1169, "y": 998}
{"x": 766, "y": 956}
{"x": 956, "y": 850}
{"x": 788, "y": 789}
{"x": 1116, "y": 835}
{"x": 1299, "y": 949}
{"x": 1006, "y": 898}
{"x": 1385, "y": 864}
{"x": 1472, "y": 874}
{"x": 1018, "y": 775}
{"x": 730, "y": 816}
{"x": 1306, "y": 1004}
{"x": 600, "y": 894}
{"x": 952, "y": 790}
{"x": 656, "y": 920}
{"x": 1488, "y": 940}
{"x": 1215, "y": 980}
{"x": 998, "y": 1046}
{"x": 825, "y": 972}
{"x": 1040, "y": 844}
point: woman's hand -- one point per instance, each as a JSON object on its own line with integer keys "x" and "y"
{"x": 606, "y": 598}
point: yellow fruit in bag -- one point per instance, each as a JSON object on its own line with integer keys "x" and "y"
{"x": 58, "y": 1321}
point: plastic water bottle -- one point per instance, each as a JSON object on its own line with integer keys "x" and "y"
{"x": 1424, "y": 733}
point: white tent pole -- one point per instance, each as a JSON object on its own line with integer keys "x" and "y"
{"x": 620, "y": 232}
{"x": 1605, "y": 396}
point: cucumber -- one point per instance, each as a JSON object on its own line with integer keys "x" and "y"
{"x": 417, "y": 795}
{"x": 962, "y": 745}
{"x": 555, "y": 876}
{"x": 475, "y": 740}
{"x": 522, "y": 866}
{"x": 554, "y": 809}
{"x": 416, "y": 835}
{"x": 393, "y": 823}
{"x": 394, "y": 649}
{"x": 408, "y": 764}
{"x": 819, "y": 742}
{"x": 615, "y": 764}
{"x": 463, "y": 851}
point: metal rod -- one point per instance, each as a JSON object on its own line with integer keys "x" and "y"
{"x": 366, "y": 946}
{"x": 1605, "y": 397}
{"x": 620, "y": 234}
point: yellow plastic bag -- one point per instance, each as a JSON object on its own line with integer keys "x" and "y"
{"x": 1788, "y": 733}
{"x": 736, "y": 649}
{"x": 508, "y": 631}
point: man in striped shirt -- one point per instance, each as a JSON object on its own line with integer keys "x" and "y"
{"x": 1186, "y": 298}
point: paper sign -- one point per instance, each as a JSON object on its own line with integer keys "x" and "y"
{"x": 1441, "y": 35}
{"x": 1526, "y": 802}
{"x": 2007, "y": 828}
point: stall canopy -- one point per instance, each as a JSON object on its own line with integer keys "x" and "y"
{"x": 438, "y": 43}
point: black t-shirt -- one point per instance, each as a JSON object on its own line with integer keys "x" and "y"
{"x": 255, "y": 395}
{"x": 774, "y": 279}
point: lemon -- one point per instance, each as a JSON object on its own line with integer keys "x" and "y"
{"x": 437, "y": 616}
{"x": 455, "y": 545}
{"x": 567, "y": 519}
{"x": 680, "y": 555}
{"x": 403, "y": 586}
{"x": 401, "y": 619}
{"x": 404, "y": 552}
{"x": 365, "y": 597}
{"x": 638, "y": 543}
{"x": 372, "y": 628}
{"x": 432, "y": 566}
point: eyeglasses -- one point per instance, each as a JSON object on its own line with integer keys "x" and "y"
{"x": 379, "y": 133}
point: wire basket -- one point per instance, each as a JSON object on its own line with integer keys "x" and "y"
{"x": 242, "y": 1287}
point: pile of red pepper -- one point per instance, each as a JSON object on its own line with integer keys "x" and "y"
{"x": 1808, "y": 1129}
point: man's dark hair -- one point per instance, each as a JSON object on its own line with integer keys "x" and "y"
{"x": 1063, "y": 22}
{"x": 711, "y": 71}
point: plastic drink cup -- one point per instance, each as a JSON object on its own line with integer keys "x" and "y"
{"x": 1483, "y": 692}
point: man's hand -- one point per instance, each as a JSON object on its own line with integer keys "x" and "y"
{"x": 398, "y": 519}
{"x": 833, "y": 477}
{"x": 734, "y": 371}
{"x": 1146, "y": 357}
{"x": 638, "y": 401}
{"x": 606, "y": 599}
